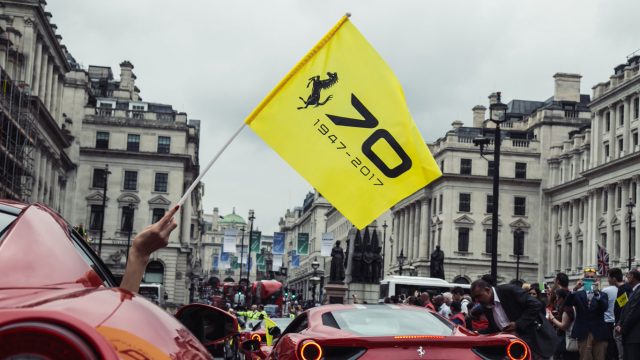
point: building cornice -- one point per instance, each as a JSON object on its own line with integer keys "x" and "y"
{"x": 581, "y": 181}
{"x": 604, "y": 169}
{"x": 134, "y": 123}
{"x": 141, "y": 155}
{"x": 483, "y": 179}
{"x": 614, "y": 93}
{"x": 49, "y": 123}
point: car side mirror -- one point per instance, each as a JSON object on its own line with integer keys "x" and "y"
{"x": 275, "y": 331}
{"x": 250, "y": 345}
{"x": 207, "y": 323}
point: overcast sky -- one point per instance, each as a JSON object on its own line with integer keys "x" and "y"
{"x": 215, "y": 60}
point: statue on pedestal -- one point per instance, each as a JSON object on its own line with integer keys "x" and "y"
{"x": 337, "y": 264}
{"x": 376, "y": 266}
{"x": 437, "y": 263}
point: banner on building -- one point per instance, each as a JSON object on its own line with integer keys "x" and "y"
{"x": 303, "y": 244}
{"x": 277, "y": 261}
{"x": 327, "y": 244}
{"x": 224, "y": 260}
{"x": 255, "y": 241}
{"x": 295, "y": 261}
{"x": 229, "y": 242}
{"x": 262, "y": 267}
{"x": 260, "y": 258}
{"x": 278, "y": 243}
{"x": 216, "y": 259}
{"x": 234, "y": 263}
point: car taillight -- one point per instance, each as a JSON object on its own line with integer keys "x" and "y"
{"x": 39, "y": 340}
{"x": 517, "y": 350}
{"x": 310, "y": 350}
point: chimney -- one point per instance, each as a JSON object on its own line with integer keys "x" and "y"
{"x": 479, "y": 113}
{"x": 214, "y": 221}
{"x": 567, "y": 87}
{"x": 127, "y": 79}
{"x": 456, "y": 124}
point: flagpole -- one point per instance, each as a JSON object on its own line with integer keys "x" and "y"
{"x": 197, "y": 180}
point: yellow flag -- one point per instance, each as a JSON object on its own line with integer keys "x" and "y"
{"x": 622, "y": 299}
{"x": 341, "y": 120}
{"x": 269, "y": 324}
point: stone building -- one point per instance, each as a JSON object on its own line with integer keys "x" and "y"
{"x": 594, "y": 177}
{"x": 35, "y": 141}
{"x": 455, "y": 210}
{"x": 143, "y": 155}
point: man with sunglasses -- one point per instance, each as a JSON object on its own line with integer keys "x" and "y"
{"x": 589, "y": 327}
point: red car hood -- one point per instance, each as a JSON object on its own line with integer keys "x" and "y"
{"x": 126, "y": 320}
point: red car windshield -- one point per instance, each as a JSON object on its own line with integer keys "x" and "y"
{"x": 387, "y": 321}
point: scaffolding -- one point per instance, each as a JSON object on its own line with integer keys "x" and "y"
{"x": 18, "y": 136}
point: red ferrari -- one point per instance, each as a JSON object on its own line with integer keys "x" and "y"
{"x": 386, "y": 332}
{"x": 59, "y": 301}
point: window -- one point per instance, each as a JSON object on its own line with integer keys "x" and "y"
{"x": 98, "y": 178}
{"x": 570, "y": 214}
{"x": 441, "y": 165}
{"x": 102, "y": 140}
{"x": 581, "y": 211}
{"x": 634, "y": 193}
{"x": 605, "y": 201}
{"x": 519, "y": 206}
{"x": 137, "y": 111}
{"x": 487, "y": 241}
{"x": 95, "y": 219}
{"x": 105, "y": 108}
{"x": 154, "y": 273}
{"x": 440, "y": 203}
{"x": 620, "y": 146}
{"x": 607, "y": 121}
{"x": 606, "y": 150}
{"x": 126, "y": 221}
{"x": 435, "y": 204}
{"x": 518, "y": 242}
{"x": 619, "y": 197}
{"x": 463, "y": 239}
{"x": 521, "y": 170}
{"x": 157, "y": 214}
{"x": 489, "y": 204}
{"x": 465, "y": 166}
{"x": 634, "y": 137}
{"x": 621, "y": 115}
{"x": 604, "y": 240}
{"x": 636, "y": 107}
{"x": 130, "y": 180}
{"x": 133, "y": 142}
{"x": 162, "y": 179}
{"x": 464, "y": 203}
{"x": 490, "y": 168}
{"x": 164, "y": 144}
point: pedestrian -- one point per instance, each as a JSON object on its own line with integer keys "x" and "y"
{"x": 622, "y": 297}
{"x": 457, "y": 317}
{"x": 563, "y": 320}
{"x": 590, "y": 305}
{"x": 609, "y": 316}
{"x": 426, "y": 301}
{"x": 458, "y": 295}
{"x": 629, "y": 324}
{"x": 510, "y": 309}
{"x": 478, "y": 320}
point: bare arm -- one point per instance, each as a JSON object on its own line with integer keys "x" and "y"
{"x": 152, "y": 238}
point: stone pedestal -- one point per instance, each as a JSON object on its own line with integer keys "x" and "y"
{"x": 368, "y": 293}
{"x": 335, "y": 293}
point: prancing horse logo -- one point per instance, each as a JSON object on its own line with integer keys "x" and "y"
{"x": 421, "y": 352}
{"x": 314, "y": 98}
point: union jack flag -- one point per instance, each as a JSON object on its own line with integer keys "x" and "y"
{"x": 603, "y": 260}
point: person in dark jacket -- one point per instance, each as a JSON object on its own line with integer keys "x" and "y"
{"x": 629, "y": 323}
{"x": 510, "y": 309}
{"x": 589, "y": 327}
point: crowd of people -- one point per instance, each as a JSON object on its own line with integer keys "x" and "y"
{"x": 585, "y": 321}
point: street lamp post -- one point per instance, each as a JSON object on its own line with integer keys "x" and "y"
{"x": 314, "y": 279}
{"x": 131, "y": 209}
{"x": 104, "y": 204}
{"x": 497, "y": 115}
{"x": 242, "y": 253}
{"x": 251, "y": 218}
{"x": 630, "y": 207}
{"x": 518, "y": 235}
{"x": 384, "y": 241}
{"x": 401, "y": 259}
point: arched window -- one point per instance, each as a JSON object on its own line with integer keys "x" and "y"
{"x": 154, "y": 273}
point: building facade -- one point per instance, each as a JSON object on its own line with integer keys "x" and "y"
{"x": 35, "y": 137}
{"x": 455, "y": 211}
{"x": 594, "y": 178}
{"x": 142, "y": 156}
